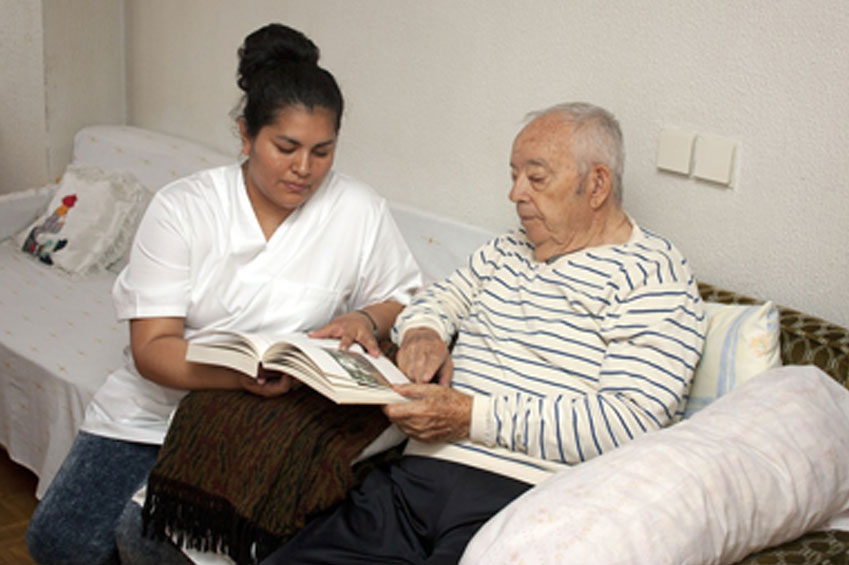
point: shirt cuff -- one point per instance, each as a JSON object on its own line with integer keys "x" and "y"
{"x": 482, "y": 426}
{"x": 398, "y": 330}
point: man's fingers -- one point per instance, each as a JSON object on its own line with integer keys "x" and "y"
{"x": 446, "y": 371}
{"x": 412, "y": 391}
{"x": 418, "y": 366}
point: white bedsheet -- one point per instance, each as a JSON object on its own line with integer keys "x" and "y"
{"x": 58, "y": 341}
{"x": 59, "y": 338}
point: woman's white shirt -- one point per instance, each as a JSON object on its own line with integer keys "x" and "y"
{"x": 200, "y": 254}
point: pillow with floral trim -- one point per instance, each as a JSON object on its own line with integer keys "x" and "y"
{"x": 90, "y": 221}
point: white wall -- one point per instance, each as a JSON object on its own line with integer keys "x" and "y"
{"x": 436, "y": 90}
{"x": 62, "y": 67}
{"x": 23, "y": 128}
{"x": 84, "y": 71}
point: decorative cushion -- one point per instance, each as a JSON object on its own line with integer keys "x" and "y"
{"x": 89, "y": 222}
{"x": 741, "y": 342}
{"x": 805, "y": 339}
{"x": 758, "y": 467}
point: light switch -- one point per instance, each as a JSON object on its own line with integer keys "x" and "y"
{"x": 674, "y": 150}
{"x": 714, "y": 159}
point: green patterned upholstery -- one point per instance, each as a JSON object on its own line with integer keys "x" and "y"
{"x": 805, "y": 340}
{"x": 821, "y": 548}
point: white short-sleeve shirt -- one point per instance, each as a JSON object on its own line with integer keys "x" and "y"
{"x": 200, "y": 254}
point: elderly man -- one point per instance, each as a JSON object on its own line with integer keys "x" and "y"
{"x": 573, "y": 334}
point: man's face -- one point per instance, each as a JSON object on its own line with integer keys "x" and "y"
{"x": 547, "y": 188}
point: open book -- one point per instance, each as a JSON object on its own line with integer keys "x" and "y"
{"x": 345, "y": 377}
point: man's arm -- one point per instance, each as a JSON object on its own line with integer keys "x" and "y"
{"x": 424, "y": 329}
{"x": 444, "y": 304}
{"x": 435, "y": 412}
{"x": 642, "y": 380}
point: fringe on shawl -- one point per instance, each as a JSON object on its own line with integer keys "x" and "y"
{"x": 239, "y": 474}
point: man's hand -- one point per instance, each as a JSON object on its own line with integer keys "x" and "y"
{"x": 433, "y": 414}
{"x": 422, "y": 355}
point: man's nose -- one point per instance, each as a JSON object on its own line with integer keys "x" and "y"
{"x": 518, "y": 191}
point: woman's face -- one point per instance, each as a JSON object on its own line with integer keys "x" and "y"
{"x": 288, "y": 159}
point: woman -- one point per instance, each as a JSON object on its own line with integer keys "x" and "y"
{"x": 278, "y": 243}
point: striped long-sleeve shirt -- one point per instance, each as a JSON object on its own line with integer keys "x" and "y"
{"x": 566, "y": 359}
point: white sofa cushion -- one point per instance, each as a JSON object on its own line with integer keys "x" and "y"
{"x": 156, "y": 159}
{"x": 760, "y": 466}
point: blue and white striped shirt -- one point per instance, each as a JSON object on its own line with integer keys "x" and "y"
{"x": 568, "y": 358}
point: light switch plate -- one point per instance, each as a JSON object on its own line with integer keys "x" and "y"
{"x": 714, "y": 159}
{"x": 674, "y": 150}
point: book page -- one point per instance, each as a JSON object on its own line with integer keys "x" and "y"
{"x": 227, "y": 349}
{"x": 354, "y": 363}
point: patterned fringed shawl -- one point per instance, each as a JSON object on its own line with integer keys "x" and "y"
{"x": 240, "y": 473}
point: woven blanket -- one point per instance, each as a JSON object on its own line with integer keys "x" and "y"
{"x": 239, "y": 473}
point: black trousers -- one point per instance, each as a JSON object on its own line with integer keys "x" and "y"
{"x": 419, "y": 510}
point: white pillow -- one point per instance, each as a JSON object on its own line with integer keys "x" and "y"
{"x": 758, "y": 467}
{"x": 742, "y": 341}
{"x": 90, "y": 221}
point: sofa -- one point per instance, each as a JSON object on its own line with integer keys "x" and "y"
{"x": 59, "y": 337}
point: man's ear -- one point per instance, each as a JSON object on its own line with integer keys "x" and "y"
{"x": 599, "y": 185}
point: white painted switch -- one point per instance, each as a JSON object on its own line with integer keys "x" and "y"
{"x": 674, "y": 150}
{"x": 714, "y": 159}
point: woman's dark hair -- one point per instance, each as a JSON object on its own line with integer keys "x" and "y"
{"x": 278, "y": 68}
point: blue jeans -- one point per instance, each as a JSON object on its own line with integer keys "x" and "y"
{"x": 75, "y": 521}
{"x": 135, "y": 549}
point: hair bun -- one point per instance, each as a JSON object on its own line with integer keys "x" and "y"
{"x": 273, "y": 44}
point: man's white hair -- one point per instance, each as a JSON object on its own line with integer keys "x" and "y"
{"x": 596, "y": 138}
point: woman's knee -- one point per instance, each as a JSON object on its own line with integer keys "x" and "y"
{"x": 41, "y": 538}
{"x": 135, "y": 549}
{"x": 75, "y": 521}
{"x": 128, "y": 532}
{"x": 51, "y": 539}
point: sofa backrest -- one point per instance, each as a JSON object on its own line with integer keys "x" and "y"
{"x": 439, "y": 244}
{"x": 154, "y": 158}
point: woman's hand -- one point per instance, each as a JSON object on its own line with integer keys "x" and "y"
{"x": 423, "y": 354}
{"x": 268, "y": 383}
{"x": 364, "y": 326}
{"x": 353, "y": 327}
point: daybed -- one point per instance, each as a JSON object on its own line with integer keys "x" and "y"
{"x": 59, "y": 338}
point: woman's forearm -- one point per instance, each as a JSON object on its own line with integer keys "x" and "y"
{"x": 383, "y": 315}
{"x": 159, "y": 352}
